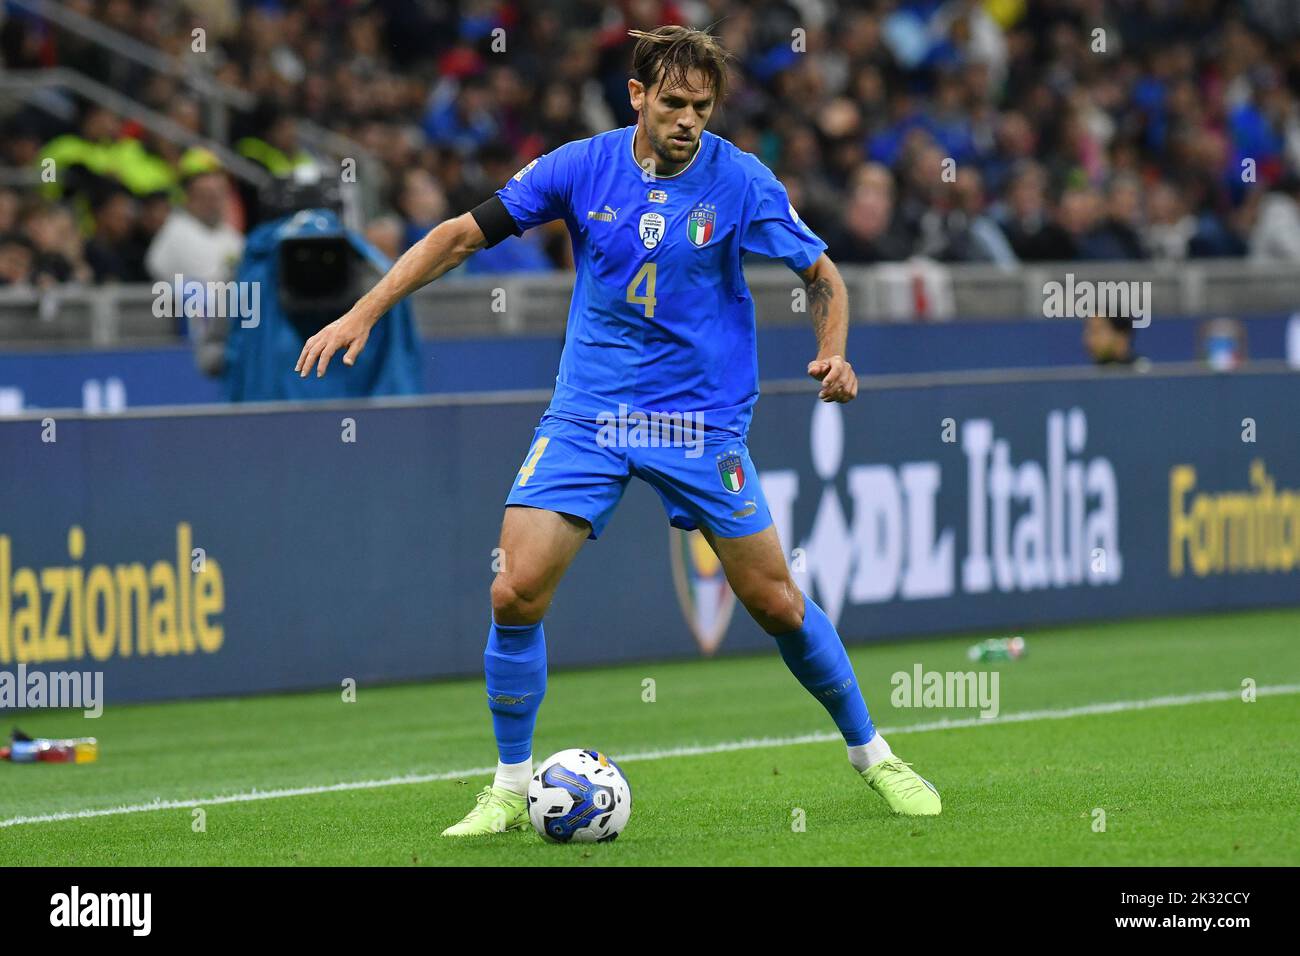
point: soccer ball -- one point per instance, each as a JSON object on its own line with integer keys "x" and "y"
{"x": 579, "y": 796}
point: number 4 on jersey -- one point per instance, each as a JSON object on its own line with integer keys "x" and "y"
{"x": 649, "y": 272}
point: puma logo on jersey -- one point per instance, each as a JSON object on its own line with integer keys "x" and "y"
{"x": 608, "y": 214}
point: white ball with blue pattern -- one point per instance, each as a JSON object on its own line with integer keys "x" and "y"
{"x": 579, "y": 796}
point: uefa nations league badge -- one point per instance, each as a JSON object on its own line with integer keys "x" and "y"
{"x": 651, "y": 229}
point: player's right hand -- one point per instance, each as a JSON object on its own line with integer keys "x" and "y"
{"x": 349, "y": 331}
{"x": 839, "y": 381}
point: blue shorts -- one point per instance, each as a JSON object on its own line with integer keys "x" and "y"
{"x": 577, "y": 468}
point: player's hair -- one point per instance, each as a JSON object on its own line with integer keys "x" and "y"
{"x": 1119, "y": 324}
{"x": 676, "y": 51}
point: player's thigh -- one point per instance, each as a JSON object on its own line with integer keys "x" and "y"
{"x": 570, "y": 471}
{"x": 756, "y": 569}
{"x": 714, "y": 486}
{"x": 535, "y": 549}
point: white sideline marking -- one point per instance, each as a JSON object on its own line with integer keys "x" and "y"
{"x": 755, "y": 743}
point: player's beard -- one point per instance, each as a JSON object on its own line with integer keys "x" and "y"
{"x": 668, "y": 161}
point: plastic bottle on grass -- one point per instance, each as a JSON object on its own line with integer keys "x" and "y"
{"x": 998, "y": 649}
{"x": 24, "y": 749}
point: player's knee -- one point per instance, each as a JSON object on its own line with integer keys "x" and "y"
{"x": 516, "y": 600}
{"x": 777, "y": 607}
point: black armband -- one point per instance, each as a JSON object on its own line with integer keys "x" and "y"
{"x": 494, "y": 220}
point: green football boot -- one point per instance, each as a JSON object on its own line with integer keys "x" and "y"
{"x": 905, "y": 790}
{"x": 496, "y": 810}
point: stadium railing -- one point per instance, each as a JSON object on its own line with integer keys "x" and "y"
{"x": 219, "y": 100}
{"x": 458, "y": 305}
{"x": 26, "y": 84}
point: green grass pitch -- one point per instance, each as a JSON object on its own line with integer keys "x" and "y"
{"x": 1192, "y": 780}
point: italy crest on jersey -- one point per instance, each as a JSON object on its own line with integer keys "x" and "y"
{"x": 732, "y": 472}
{"x": 699, "y": 225}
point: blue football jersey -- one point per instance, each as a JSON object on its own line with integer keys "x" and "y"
{"x": 661, "y": 318}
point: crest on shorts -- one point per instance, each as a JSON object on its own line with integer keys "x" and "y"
{"x": 706, "y": 599}
{"x": 699, "y": 225}
{"x": 732, "y": 472}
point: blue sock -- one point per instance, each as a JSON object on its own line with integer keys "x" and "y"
{"x": 515, "y": 666}
{"x": 816, "y": 656}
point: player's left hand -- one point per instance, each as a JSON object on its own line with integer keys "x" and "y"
{"x": 839, "y": 381}
{"x": 349, "y": 332}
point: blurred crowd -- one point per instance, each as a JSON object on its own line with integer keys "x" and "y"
{"x": 1001, "y": 131}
